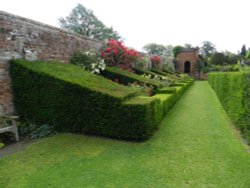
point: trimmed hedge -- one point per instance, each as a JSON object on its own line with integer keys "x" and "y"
{"x": 126, "y": 77}
{"x": 233, "y": 91}
{"x": 141, "y": 72}
{"x": 159, "y": 72}
{"x": 169, "y": 96}
{"x": 74, "y": 100}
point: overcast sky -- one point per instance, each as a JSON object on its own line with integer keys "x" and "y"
{"x": 223, "y": 22}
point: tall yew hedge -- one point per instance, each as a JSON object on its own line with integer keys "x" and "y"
{"x": 233, "y": 91}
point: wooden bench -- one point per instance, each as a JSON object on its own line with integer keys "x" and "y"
{"x": 8, "y": 124}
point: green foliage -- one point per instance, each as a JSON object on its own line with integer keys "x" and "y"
{"x": 1, "y": 145}
{"x": 224, "y": 68}
{"x": 232, "y": 58}
{"x": 144, "y": 90}
{"x": 168, "y": 64}
{"x": 218, "y": 59}
{"x": 207, "y": 49}
{"x": 156, "y": 49}
{"x": 248, "y": 55}
{"x": 142, "y": 63}
{"x": 177, "y": 50}
{"x": 203, "y": 66}
{"x": 36, "y": 131}
{"x": 233, "y": 90}
{"x": 83, "y": 21}
{"x": 243, "y": 51}
{"x": 91, "y": 61}
{"x": 74, "y": 100}
{"x": 125, "y": 77}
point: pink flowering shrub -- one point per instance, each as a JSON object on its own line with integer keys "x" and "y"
{"x": 116, "y": 54}
{"x": 156, "y": 61}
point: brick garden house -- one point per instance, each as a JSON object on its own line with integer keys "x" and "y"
{"x": 187, "y": 61}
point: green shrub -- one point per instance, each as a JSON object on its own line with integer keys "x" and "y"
{"x": 89, "y": 60}
{"x": 159, "y": 72}
{"x": 74, "y": 100}
{"x": 233, "y": 91}
{"x": 224, "y": 68}
{"x": 36, "y": 131}
{"x": 126, "y": 77}
{"x": 168, "y": 90}
{"x": 1, "y": 145}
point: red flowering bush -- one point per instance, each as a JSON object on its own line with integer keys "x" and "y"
{"x": 116, "y": 54}
{"x": 155, "y": 59}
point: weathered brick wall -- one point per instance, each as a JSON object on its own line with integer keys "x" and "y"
{"x": 191, "y": 55}
{"x": 25, "y": 38}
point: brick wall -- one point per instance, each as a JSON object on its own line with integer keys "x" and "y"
{"x": 191, "y": 55}
{"x": 25, "y": 38}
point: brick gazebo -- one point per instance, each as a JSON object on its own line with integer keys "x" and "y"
{"x": 187, "y": 61}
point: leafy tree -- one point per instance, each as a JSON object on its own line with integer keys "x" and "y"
{"x": 207, "y": 48}
{"x": 243, "y": 50}
{"x": 231, "y": 57}
{"x": 248, "y": 55}
{"x": 83, "y": 21}
{"x": 218, "y": 59}
{"x": 177, "y": 50}
{"x": 169, "y": 52}
{"x": 156, "y": 49}
{"x": 188, "y": 45}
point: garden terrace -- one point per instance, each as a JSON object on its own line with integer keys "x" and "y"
{"x": 126, "y": 77}
{"x": 74, "y": 100}
{"x": 160, "y": 72}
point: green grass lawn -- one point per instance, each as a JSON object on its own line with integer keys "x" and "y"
{"x": 194, "y": 147}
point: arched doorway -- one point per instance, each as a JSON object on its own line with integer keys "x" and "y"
{"x": 187, "y": 66}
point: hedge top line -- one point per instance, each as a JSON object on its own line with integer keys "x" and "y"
{"x": 74, "y": 75}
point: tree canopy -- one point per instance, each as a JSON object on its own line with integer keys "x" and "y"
{"x": 243, "y": 50}
{"x": 83, "y": 21}
{"x": 177, "y": 50}
{"x": 218, "y": 59}
{"x": 156, "y": 49}
{"x": 207, "y": 48}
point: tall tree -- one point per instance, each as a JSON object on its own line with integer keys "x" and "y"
{"x": 207, "y": 48}
{"x": 177, "y": 50}
{"x": 243, "y": 51}
{"x": 155, "y": 49}
{"x": 187, "y": 45}
{"x": 83, "y": 21}
{"x": 218, "y": 59}
{"x": 248, "y": 55}
{"x": 169, "y": 52}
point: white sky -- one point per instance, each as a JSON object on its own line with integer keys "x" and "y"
{"x": 223, "y": 22}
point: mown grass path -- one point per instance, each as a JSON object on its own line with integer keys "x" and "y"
{"x": 195, "y": 147}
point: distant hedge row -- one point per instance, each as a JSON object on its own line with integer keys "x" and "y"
{"x": 74, "y": 100}
{"x": 233, "y": 91}
{"x": 126, "y": 77}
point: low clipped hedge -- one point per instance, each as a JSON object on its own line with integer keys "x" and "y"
{"x": 74, "y": 100}
{"x": 141, "y": 72}
{"x": 159, "y": 72}
{"x": 126, "y": 77}
{"x": 169, "y": 95}
{"x": 233, "y": 91}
